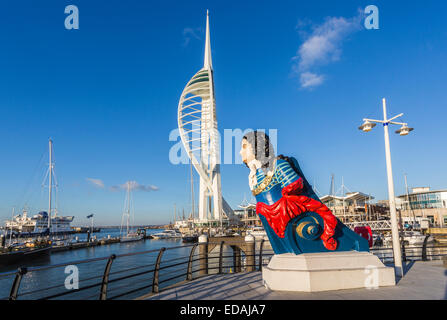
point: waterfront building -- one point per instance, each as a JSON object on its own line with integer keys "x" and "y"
{"x": 423, "y": 203}
{"x": 247, "y": 215}
{"x": 354, "y": 207}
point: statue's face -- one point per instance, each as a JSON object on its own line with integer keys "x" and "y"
{"x": 246, "y": 152}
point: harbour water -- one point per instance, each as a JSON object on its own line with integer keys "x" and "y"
{"x": 54, "y": 279}
{"x": 91, "y": 271}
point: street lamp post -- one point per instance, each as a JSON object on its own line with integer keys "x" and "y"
{"x": 367, "y": 126}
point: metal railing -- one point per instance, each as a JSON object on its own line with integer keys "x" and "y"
{"x": 112, "y": 278}
{"x": 154, "y": 270}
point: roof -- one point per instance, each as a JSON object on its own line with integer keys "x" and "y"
{"x": 349, "y": 196}
{"x": 422, "y": 192}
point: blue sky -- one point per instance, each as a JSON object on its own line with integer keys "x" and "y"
{"x": 107, "y": 94}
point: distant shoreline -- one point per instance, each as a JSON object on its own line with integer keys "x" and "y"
{"x": 117, "y": 227}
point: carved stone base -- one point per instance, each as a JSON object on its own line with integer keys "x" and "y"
{"x": 313, "y": 272}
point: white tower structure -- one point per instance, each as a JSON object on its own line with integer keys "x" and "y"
{"x": 198, "y": 130}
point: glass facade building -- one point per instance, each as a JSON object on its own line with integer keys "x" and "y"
{"x": 424, "y": 200}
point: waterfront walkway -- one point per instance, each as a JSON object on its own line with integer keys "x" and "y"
{"x": 423, "y": 280}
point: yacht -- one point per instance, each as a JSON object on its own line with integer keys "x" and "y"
{"x": 257, "y": 232}
{"x": 193, "y": 237}
{"x": 128, "y": 235}
{"x": 38, "y": 223}
{"x": 133, "y": 236}
{"x": 24, "y": 252}
{"x": 168, "y": 234}
{"x": 412, "y": 238}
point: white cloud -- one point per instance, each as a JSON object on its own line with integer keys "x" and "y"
{"x": 133, "y": 185}
{"x": 96, "y": 182}
{"x": 322, "y": 46}
{"x": 309, "y": 80}
{"x": 190, "y": 33}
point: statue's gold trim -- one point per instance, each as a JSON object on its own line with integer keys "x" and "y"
{"x": 263, "y": 184}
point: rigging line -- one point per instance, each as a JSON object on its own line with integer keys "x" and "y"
{"x": 43, "y": 185}
{"x": 27, "y": 187}
{"x": 122, "y": 217}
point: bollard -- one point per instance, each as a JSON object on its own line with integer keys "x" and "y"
{"x": 203, "y": 253}
{"x": 250, "y": 252}
{"x": 105, "y": 278}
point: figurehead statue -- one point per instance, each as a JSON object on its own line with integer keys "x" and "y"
{"x": 293, "y": 216}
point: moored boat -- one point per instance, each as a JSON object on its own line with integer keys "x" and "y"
{"x": 24, "y": 253}
{"x": 257, "y": 232}
{"x": 167, "y": 234}
{"x": 130, "y": 237}
{"x": 190, "y": 238}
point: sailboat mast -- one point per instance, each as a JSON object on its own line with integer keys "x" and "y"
{"x": 50, "y": 184}
{"x": 12, "y": 219}
{"x": 408, "y": 202}
{"x": 192, "y": 196}
{"x": 128, "y": 206}
{"x": 175, "y": 214}
{"x": 343, "y": 193}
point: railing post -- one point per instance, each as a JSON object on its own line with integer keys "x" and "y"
{"x": 260, "y": 254}
{"x": 16, "y": 284}
{"x": 220, "y": 257}
{"x": 404, "y": 255}
{"x": 424, "y": 248}
{"x": 203, "y": 253}
{"x": 105, "y": 278}
{"x": 250, "y": 253}
{"x": 236, "y": 258}
{"x": 157, "y": 271}
{"x": 191, "y": 256}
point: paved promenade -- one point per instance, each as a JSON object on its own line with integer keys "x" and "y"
{"x": 423, "y": 280}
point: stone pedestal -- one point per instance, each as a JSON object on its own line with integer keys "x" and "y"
{"x": 313, "y": 272}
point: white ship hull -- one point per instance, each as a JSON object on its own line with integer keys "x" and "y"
{"x": 168, "y": 234}
{"x": 39, "y": 223}
{"x": 131, "y": 238}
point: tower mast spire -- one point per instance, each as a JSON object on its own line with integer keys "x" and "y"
{"x": 50, "y": 183}
{"x": 207, "y": 64}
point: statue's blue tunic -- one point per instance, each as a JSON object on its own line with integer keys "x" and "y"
{"x": 309, "y": 224}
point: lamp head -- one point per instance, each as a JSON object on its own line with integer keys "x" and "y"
{"x": 404, "y": 130}
{"x": 367, "y": 126}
